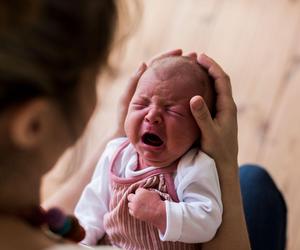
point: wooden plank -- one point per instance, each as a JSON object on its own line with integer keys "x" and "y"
{"x": 171, "y": 24}
{"x": 280, "y": 150}
{"x": 255, "y": 42}
{"x": 254, "y": 55}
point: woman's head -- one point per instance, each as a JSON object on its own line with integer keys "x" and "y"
{"x": 48, "y": 68}
{"x": 47, "y": 56}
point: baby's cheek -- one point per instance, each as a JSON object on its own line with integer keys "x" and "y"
{"x": 132, "y": 127}
{"x": 127, "y": 126}
{"x": 190, "y": 132}
{"x": 193, "y": 127}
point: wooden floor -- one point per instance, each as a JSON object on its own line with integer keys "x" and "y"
{"x": 258, "y": 44}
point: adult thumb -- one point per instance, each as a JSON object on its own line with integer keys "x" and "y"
{"x": 201, "y": 115}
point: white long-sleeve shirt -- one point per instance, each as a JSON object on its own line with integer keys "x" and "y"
{"x": 194, "y": 219}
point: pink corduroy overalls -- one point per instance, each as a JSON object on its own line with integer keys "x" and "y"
{"x": 127, "y": 232}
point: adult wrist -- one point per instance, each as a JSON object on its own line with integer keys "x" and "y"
{"x": 230, "y": 166}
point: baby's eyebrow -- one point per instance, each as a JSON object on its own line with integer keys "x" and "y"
{"x": 140, "y": 99}
{"x": 144, "y": 98}
{"x": 169, "y": 104}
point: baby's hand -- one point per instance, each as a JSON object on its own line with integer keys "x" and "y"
{"x": 147, "y": 206}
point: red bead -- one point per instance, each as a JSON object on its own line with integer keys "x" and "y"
{"x": 77, "y": 233}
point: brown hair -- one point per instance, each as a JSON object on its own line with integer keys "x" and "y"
{"x": 46, "y": 57}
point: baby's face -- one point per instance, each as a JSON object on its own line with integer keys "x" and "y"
{"x": 159, "y": 122}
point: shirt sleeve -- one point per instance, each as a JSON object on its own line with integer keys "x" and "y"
{"x": 94, "y": 201}
{"x": 198, "y": 215}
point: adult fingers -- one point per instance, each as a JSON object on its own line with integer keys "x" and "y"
{"x": 127, "y": 96}
{"x": 175, "y": 52}
{"x": 192, "y": 55}
{"x": 222, "y": 80}
{"x": 202, "y": 116}
{"x": 133, "y": 81}
{"x": 225, "y": 103}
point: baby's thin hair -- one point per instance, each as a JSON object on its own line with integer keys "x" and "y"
{"x": 209, "y": 89}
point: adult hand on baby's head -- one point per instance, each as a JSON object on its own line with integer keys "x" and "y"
{"x": 175, "y": 52}
{"x": 218, "y": 135}
{"x": 126, "y": 98}
{"x": 147, "y": 206}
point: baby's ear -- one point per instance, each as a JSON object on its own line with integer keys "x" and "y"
{"x": 30, "y": 123}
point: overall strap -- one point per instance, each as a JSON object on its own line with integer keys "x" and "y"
{"x": 119, "y": 150}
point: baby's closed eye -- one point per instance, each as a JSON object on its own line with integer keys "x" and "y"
{"x": 175, "y": 111}
{"x": 138, "y": 105}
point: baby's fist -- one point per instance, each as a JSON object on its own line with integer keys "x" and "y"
{"x": 147, "y": 206}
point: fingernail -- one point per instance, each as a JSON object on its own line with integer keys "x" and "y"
{"x": 201, "y": 55}
{"x": 140, "y": 68}
{"x": 193, "y": 55}
{"x": 197, "y": 103}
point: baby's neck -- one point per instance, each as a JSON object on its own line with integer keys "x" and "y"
{"x": 142, "y": 165}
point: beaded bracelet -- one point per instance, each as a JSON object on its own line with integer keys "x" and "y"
{"x": 66, "y": 226}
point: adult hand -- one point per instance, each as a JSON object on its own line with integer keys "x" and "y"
{"x": 219, "y": 140}
{"x": 175, "y": 52}
{"x": 219, "y": 134}
{"x": 147, "y": 206}
{"x": 130, "y": 89}
{"x": 126, "y": 98}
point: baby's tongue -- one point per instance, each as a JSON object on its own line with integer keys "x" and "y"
{"x": 152, "y": 140}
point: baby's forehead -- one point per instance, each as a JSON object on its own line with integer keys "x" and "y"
{"x": 172, "y": 79}
{"x": 180, "y": 67}
{"x": 178, "y": 75}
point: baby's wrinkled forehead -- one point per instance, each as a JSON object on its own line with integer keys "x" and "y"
{"x": 186, "y": 72}
{"x": 179, "y": 66}
{"x": 188, "y": 75}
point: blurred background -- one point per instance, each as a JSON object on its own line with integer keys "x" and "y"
{"x": 257, "y": 42}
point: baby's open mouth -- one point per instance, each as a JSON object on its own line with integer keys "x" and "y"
{"x": 152, "y": 139}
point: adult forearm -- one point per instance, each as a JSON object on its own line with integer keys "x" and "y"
{"x": 232, "y": 233}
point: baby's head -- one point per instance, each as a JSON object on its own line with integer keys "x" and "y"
{"x": 159, "y": 122}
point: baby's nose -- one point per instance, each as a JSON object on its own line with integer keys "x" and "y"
{"x": 153, "y": 117}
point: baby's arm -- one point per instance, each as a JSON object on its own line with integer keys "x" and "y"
{"x": 198, "y": 215}
{"x": 94, "y": 201}
{"x": 91, "y": 209}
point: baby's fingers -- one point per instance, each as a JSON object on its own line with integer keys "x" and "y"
{"x": 130, "y": 197}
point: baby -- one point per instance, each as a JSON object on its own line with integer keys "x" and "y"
{"x": 155, "y": 189}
